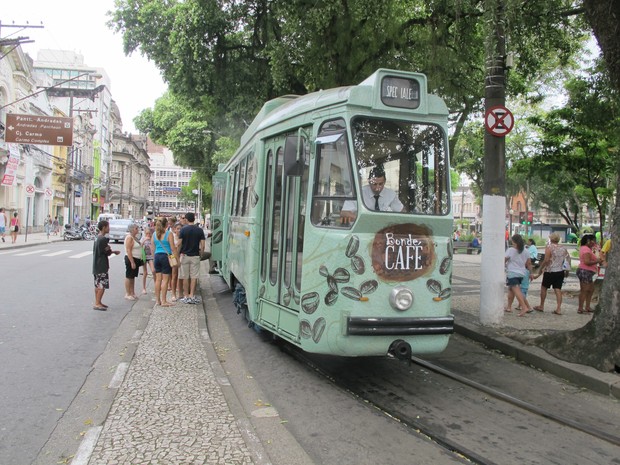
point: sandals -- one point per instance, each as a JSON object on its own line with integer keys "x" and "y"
{"x": 538, "y": 308}
{"x": 588, "y": 310}
{"x": 555, "y": 312}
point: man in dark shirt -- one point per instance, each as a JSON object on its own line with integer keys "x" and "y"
{"x": 192, "y": 245}
{"x": 101, "y": 264}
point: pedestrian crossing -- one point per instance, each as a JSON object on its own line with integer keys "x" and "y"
{"x": 65, "y": 253}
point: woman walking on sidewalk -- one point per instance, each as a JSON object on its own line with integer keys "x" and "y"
{"x": 518, "y": 263}
{"x": 586, "y": 271}
{"x": 14, "y": 228}
{"x": 164, "y": 246}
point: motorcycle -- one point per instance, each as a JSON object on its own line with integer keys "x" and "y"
{"x": 71, "y": 234}
{"x": 86, "y": 233}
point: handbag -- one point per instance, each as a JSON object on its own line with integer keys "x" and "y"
{"x": 143, "y": 255}
{"x": 12, "y": 228}
{"x": 173, "y": 260}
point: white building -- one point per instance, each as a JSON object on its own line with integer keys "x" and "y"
{"x": 24, "y": 165}
{"x": 167, "y": 179}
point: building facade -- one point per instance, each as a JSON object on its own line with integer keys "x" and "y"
{"x": 102, "y": 166}
{"x": 166, "y": 184}
{"x": 128, "y": 183}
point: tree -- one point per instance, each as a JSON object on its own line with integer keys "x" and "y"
{"x": 598, "y": 342}
{"x": 575, "y": 150}
{"x": 231, "y": 56}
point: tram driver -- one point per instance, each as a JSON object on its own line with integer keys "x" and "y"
{"x": 375, "y": 196}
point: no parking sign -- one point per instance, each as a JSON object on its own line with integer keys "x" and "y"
{"x": 499, "y": 121}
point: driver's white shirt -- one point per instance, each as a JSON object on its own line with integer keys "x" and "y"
{"x": 388, "y": 201}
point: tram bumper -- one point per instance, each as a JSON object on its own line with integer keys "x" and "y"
{"x": 378, "y": 326}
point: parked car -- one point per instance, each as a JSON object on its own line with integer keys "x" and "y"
{"x": 108, "y": 216}
{"x": 118, "y": 229}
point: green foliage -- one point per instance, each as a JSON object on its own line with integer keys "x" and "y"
{"x": 577, "y": 150}
{"x": 226, "y": 58}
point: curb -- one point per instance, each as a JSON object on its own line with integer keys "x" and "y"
{"x": 584, "y": 376}
{"x": 268, "y": 440}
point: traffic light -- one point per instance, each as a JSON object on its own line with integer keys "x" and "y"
{"x": 530, "y": 217}
{"x": 522, "y": 217}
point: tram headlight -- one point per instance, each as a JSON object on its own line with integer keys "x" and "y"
{"x": 401, "y": 298}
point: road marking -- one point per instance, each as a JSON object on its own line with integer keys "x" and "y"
{"x": 80, "y": 255}
{"x": 30, "y": 253}
{"x": 87, "y": 446}
{"x": 53, "y": 254}
{"x": 119, "y": 375}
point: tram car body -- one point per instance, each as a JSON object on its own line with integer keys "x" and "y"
{"x": 308, "y": 257}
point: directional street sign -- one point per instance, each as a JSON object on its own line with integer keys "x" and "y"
{"x": 499, "y": 121}
{"x": 42, "y": 130}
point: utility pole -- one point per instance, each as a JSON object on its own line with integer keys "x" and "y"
{"x": 120, "y": 203}
{"x": 494, "y": 198}
{"x": 68, "y": 184}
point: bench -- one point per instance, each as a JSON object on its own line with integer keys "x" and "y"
{"x": 461, "y": 245}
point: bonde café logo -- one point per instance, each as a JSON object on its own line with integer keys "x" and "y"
{"x": 402, "y": 252}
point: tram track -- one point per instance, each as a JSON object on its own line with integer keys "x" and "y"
{"x": 379, "y": 390}
{"x": 588, "y": 429}
{"x": 416, "y": 426}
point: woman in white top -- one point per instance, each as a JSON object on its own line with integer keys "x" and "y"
{"x": 517, "y": 261}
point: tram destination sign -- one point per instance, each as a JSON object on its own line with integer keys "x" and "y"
{"x": 41, "y": 130}
{"x": 400, "y": 92}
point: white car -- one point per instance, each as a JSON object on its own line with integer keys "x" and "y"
{"x": 118, "y": 229}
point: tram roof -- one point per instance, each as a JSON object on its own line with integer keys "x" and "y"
{"x": 287, "y": 107}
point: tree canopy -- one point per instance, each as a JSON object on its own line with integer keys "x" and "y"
{"x": 225, "y": 58}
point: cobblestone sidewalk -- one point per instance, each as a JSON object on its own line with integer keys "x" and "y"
{"x": 170, "y": 408}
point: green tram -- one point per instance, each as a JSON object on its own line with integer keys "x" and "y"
{"x": 298, "y": 232}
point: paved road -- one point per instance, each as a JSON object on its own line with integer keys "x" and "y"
{"x": 49, "y": 338}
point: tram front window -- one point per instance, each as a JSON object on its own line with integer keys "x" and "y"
{"x": 402, "y": 167}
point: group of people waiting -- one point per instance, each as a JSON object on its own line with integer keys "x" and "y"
{"x": 554, "y": 269}
{"x": 171, "y": 251}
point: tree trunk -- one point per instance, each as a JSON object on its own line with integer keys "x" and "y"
{"x": 598, "y": 343}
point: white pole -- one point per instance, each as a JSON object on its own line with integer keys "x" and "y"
{"x": 492, "y": 267}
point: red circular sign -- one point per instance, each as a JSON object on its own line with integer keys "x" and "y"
{"x": 499, "y": 120}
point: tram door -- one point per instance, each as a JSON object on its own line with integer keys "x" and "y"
{"x": 284, "y": 223}
{"x": 217, "y": 211}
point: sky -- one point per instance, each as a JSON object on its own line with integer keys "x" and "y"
{"x": 79, "y": 26}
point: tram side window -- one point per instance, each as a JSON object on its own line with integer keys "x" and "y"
{"x": 240, "y": 186}
{"x": 333, "y": 179}
{"x": 233, "y": 191}
{"x": 250, "y": 179}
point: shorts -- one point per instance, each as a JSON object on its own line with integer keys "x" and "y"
{"x": 2, "y": 229}
{"x": 585, "y": 276}
{"x": 162, "y": 265}
{"x": 553, "y": 279}
{"x": 102, "y": 281}
{"x": 190, "y": 267}
{"x": 514, "y": 281}
{"x": 131, "y": 273}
